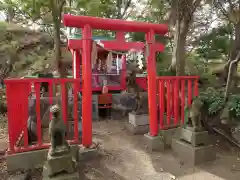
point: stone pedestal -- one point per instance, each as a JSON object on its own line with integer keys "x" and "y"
{"x": 60, "y": 167}
{"x": 194, "y": 138}
{"x": 138, "y": 124}
{"x": 168, "y": 135}
{"x": 193, "y": 155}
{"x": 154, "y": 143}
{"x": 193, "y": 147}
{"x": 63, "y": 176}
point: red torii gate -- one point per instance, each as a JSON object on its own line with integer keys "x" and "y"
{"x": 87, "y": 24}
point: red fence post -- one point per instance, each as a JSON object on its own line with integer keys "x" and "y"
{"x": 168, "y": 102}
{"x": 10, "y": 106}
{"x": 189, "y": 92}
{"x": 161, "y": 97}
{"x": 152, "y": 87}
{"x": 176, "y": 101}
{"x": 182, "y": 100}
{"x": 64, "y": 100}
{"x": 87, "y": 87}
{"x": 38, "y": 113}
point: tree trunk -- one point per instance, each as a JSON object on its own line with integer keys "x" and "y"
{"x": 234, "y": 59}
{"x": 182, "y": 12}
{"x": 10, "y": 14}
{"x": 178, "y": 56}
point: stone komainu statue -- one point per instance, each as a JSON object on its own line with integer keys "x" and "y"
{"x": 132, "y": 87}
{"x": 57, "y": 132}
{"x": 195, "y": 114}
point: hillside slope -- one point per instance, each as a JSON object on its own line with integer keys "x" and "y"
{"x": 26, "y": 50}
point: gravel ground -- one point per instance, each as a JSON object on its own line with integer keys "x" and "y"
{"x": 123, "y": 157}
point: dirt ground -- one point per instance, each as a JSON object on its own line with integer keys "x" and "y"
{"x": 123, "y": 157}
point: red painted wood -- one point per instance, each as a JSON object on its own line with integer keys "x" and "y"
{"x": 168, "y": 102}
{"x": 113, "y": 24}
{"x": 115, "y": 45}
{"x": 87, "y": 84}
{"x": 161, "y": 97}
{"x": 152, "y": 85}
{"x": 38, "y": 113}
{"x": 176, "y": 102}
{"x": 182, "y": 100}
{"x": 189, "y": 92}
{"x": 142, "y": 82}
{"x": 18, "y": 110}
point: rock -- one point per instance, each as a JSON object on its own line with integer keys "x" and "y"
{"x": 236, "y": 133}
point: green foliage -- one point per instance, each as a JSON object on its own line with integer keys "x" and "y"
{"x": 234, "y": 105}
{"x": 214, "y": 100}
{"x": 215, "y": 44}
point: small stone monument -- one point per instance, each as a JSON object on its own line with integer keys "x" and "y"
{"x": 60, "y": 163}
{"x": 194, "y": 146}
{"x": 138, "y": 123}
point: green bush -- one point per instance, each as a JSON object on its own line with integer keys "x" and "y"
{"x": 214, "y": 101}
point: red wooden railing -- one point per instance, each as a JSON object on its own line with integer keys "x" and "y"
{"x": 17, "y": 92}
{"x": 172, "y": 92}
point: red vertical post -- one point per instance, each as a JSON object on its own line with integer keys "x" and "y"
{"x": 172, "y": 97}
{"x": 23, "y": 106}
{"x": 168, "y": 102}
{"x": 87, "y": 87}
{"x": 152, "y": 91}
{"x": 120, "y": 36}
{"x": 10, "y": 104}
{"x": 38, "y": 113}
{"x": 73, "y": 63}
{"x": 182, "y": 100}
{"x": 50, "y": 88}
{"x": 176, "y": 101}
{"x": 189, "y": 92}
{"x": 161, "y": 103}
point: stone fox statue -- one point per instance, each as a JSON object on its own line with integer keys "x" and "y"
{"x": 195, "y": 114}
{"x": 57, "y": 132}
{"x": 132, "y": 87}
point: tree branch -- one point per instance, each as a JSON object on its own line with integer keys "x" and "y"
{"x": 126, "y": 8}
{"x": 231, "y": 5}
{"x": 230, "y": 73}
{"x": 219, "y": 5}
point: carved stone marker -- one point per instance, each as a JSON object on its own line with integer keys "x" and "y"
{"x": 60, "y": 162}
